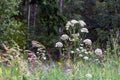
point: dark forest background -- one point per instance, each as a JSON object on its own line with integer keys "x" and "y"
{"x": 22, "y": 21}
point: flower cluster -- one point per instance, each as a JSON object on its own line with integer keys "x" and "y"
{"x": 73, "y": 22}
{"x": 59, "y": 44}
{"x": 82, "y": 52}
{"x": 41, "y": 53}
{"x": 86, "y": 58}
{"x": 98, "y": 52}
{"x": 87, "y": 42}
{"x": 64, "y": 37}
{"x": 76, "y": 45}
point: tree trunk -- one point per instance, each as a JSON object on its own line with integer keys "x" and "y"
{"x": 28, "y": 22}
{"x": 34, "y": 18}
{"x": 61, "y": 11}
{"x": 61, "y": 6}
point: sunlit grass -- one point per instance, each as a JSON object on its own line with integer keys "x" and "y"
{"x": 108, "y": 70}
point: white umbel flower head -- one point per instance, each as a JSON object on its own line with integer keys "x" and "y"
{"x": 77, "y": 49}
{"x": 59, "y": 44}
{"x": 80, "y": 55}
{"x": 96, "y": 60}
{"x": 88, "y": 75}
{"x": 84, "y": 30}
{"x": 98, "y": 51}
{"x": 76, "y": 35}
{"x": 67, "y": 27}
{"x": 81, "y": 44}
{"x": 86, "y": 52}
{"x": 68, "y": 23}
{"x": 64, "y": 37}
{"x": 72, "y": 52}
{"x": 81, "y": 48}
{"x": 82, "y": 23}
{"x": 86, "y": 58}
{"x": 44, "y": 58}
{"x": 74, "y": 21}
{"x": 71, "y": 39}
{"x": 87, "y": 42}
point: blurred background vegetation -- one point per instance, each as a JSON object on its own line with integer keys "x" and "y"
{"x": 22, "y": 21}
{"x": 30, "y": 29}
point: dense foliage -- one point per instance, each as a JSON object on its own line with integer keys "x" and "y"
{"x": 12, "y": 30}
{"x": 44, "y": 21}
